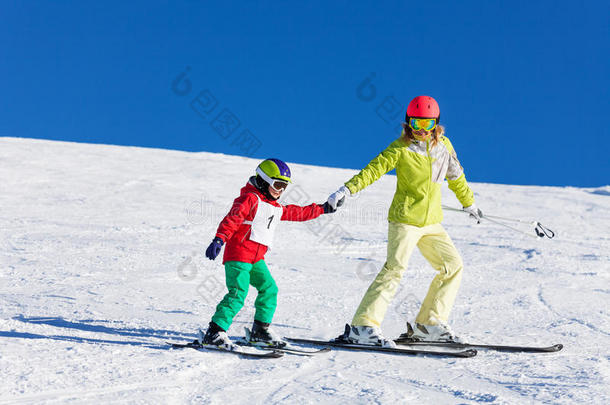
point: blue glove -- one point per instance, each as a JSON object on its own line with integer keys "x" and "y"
{"x": 214, "y": 249}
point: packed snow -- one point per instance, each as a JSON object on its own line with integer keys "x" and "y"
{"x": 102, "y": 264}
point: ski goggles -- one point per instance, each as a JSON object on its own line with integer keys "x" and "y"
{"x": 276, "y": 184}
{"x": 427, "y": 124}
{"x": 279, "y": 185}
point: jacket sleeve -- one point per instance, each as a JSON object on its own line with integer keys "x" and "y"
{"x": 298, "y": 213}
{"x": 242, "y": 206}
{"x": 380, "y": 165}
{"x": 456, "y": 179}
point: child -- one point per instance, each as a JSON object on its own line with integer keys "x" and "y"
{"x": 248, "y": 231}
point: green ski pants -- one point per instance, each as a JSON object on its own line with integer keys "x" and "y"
{"x": 239, "y": 276}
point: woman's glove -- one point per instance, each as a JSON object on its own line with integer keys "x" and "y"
{"x": 214, "y": 249}
{"x": 330, "y": 210}
{"x": 339, "y": 195}
{"x": 474, "y": 212}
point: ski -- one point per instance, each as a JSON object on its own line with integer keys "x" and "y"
{"x": 299, "y": 352}
{"x": 285, "y": 348}
{"x": 353, "y": 346}
{"x": 269, "y": 355}
{"x": 288, "y": 349}
{"x": 499, "y": 348}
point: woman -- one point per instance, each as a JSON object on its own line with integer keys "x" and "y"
{"x": 422, "y": 157}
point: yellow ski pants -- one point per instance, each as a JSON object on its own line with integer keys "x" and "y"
{"x": 436, "y": 246}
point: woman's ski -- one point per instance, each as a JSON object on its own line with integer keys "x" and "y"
{"x": 499, "y": 348}
{"x": 353, "y": 346}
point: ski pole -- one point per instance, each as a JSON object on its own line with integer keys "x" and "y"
{"x": 541, "y": 230}
{"x": 508, "y": 226}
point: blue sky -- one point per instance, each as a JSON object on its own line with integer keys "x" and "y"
{"x": 523, "y": 87}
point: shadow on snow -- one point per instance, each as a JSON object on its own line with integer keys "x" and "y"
{"x": 88, "y": 325}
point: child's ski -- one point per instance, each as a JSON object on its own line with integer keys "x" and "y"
{"x": 288, "y": 349}
{"x": 354, "y": 346}
{"x": 197, "y": 346}
{"x": 282, "y": 347}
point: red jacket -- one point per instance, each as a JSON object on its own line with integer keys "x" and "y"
{"x": 235, "y": 233}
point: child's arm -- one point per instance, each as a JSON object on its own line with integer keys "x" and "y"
{"x": 242, "y": 206}
{"x": 298, "y": 213}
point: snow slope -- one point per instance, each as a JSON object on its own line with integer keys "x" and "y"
{"x": 102, "y": 263}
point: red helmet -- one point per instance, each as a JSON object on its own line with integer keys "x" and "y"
{"x": 423, "y": 107}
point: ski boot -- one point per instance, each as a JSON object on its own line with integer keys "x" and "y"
{"x": 365, "y": 335}
{"x": 216, "y": 336}
{"x": 430, "y": 333}
{"x": 262, "y": 335}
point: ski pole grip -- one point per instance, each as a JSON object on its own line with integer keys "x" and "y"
{"x": 543, "y": 231}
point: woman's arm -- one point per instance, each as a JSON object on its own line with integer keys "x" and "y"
{"x": 380, "y": 165}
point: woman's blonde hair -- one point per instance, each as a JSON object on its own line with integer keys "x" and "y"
{"x": 407, "y": 133}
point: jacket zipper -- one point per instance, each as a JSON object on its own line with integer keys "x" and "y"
{"x": 429, "y": 182}
{"x": 250, "y": 230}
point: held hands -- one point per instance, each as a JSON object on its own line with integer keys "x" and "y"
{"x": 214, "y": 249}
{"x": 337, "y": 198}
{"x": 474, "y": 212}
{"x": 330, "y": 210}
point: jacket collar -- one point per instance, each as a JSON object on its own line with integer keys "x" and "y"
{"x": 251, "y": 188}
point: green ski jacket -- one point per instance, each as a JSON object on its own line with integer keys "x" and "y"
{"x": 420, "y": 171}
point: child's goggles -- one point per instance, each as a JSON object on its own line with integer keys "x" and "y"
{"x": 427, "y": 124}
{"x": 276, "y": 184}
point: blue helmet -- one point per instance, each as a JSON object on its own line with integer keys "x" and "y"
{"x": 270, "y": 169}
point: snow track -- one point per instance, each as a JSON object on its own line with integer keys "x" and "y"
{"x": 102, "y": 263}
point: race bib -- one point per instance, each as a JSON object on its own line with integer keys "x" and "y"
{"x": 265, "y": 220}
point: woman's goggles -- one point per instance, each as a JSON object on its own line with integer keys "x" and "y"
{"x": 427, "y": 124}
